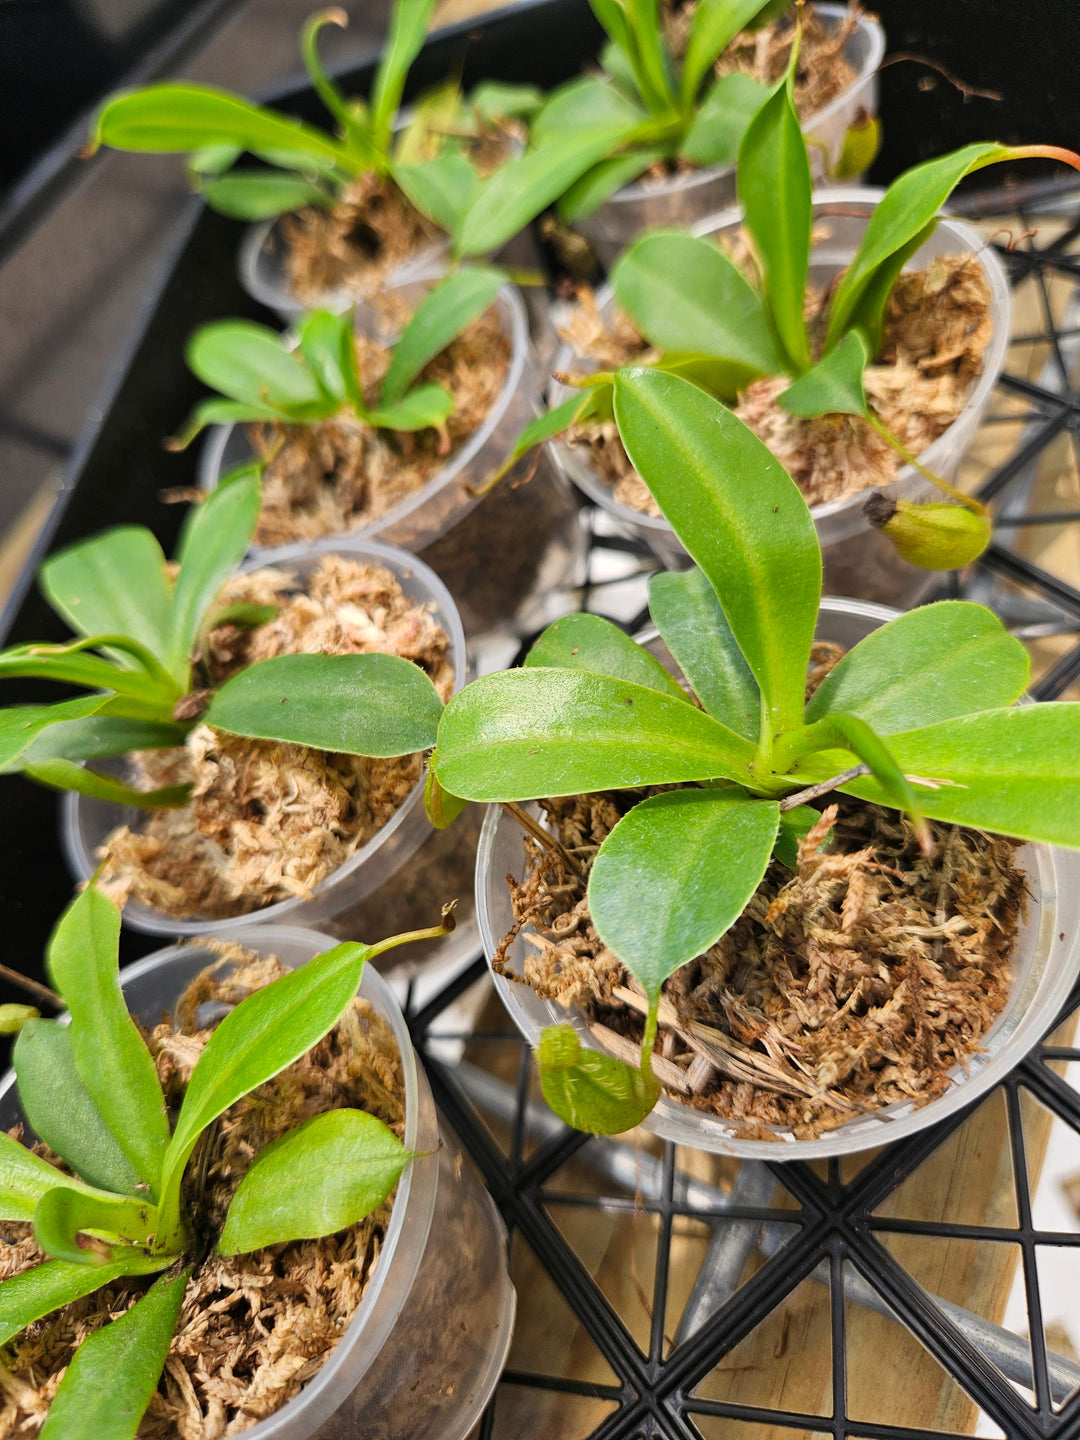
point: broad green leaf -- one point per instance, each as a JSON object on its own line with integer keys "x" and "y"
{"x": 518, "y": 192}
{"x": 60, "y": 774}
{"x": 442, "y": 189}
{"x": 168, "y": 118}
{"x": 526, "y": 734}
{"x": 932, "y": 664}
{"x": 675, "y": 873}
{"x": 110, "y": 1054}
{"x": 588, "y": 103}
{"x": 695, "y": 629}
{"x": 721, "y": 122}
{"x": 61, "y": 1109}
{"x": 250, "y": 364}
{"x": 115, "y": 582}
{"x": 24, "y": 1179}
{"x": 377, "y": 705}
{"x": 115, "y": 1371}
{"x": 260, "y": 194}
{"x": 99, "y": 735}
{"x": 213, "y": 541}
{"x": 684, "y": 294}
{"x": 589, "y": 642}
{"x": 718, "y": 377}
{"x": 409, "y": 21}
{"x": 63, "y": 1214}
{"x": 266, "y": 1032}
{"x": 423, "y": 408}
{"x": 834, "y": 386}
{"x": 714, "y": 26}
{"x": 442, "y": 808}
{"x": 498, "y": 100}
{"x": 795, "y": 825}
{"x": 589, "y": 1090}
{"x": 20, "y": 725}
{"x": 742, "y": 520}
{"x": 774, "y": 191}
{"x": 37, "y": 1292}
{"x": 1014, "y": 771}
{"x": 323, "y": 1176}
{"x": 215, "y": 411}
{"x": 326, "y": 343}
{"x": 585, "y": 196}
{"x": 440, "y": 318}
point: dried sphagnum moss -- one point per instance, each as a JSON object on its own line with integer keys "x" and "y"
{"x": 267, "y": 820}
{"x": 253, "y": 1328}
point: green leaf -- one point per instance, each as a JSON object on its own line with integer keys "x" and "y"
{"x": 267, "y": 1032}
{"x": 1016, "y": 771}
{"x": 213, "y": 160}
{"x": 72, "y": 664}
{"x": 684, "y": 294}
{"x": 653, "y": 62}
{"x": 424, "y": 407}
{"x": 37, "y": 1292}
{"x": 526, "y": 734}
{"x": 110, "y": 1054}
{"x": 168, "y": 118}
{"x": 15, "y": 1018}
{"x": 613, "y": 16}
{"x": 442, "y": 808}
{"x": 851, "y": 732}
{"x": 714, "y": 26}
{"x": 24, "y": 1179}
{"x": 215, "y": 411}
{"x": 323, "y": 1176}
{"x": 409, "y": 21}
{"x": 20, "y": 725}
{"x": 545, "y": 427}
{"x": 440, "y": 318}
{"x": 61, "y": 1109}
{"x": 741, "y": 518}
{"x": 62, "y": 774}
{"x": 795, "y": 825}
{"x": 498, "y": 100}
{"x": 115, "y": 582}
{"x": 115, "y": 1371}
{"x": 589, "y": 642}
{"x": 589, "y": 1090}
{"x": 98, "y": 735}
{"x": 442, "y": 189}
{"x": 721, "y": 122}
{"x": 518, "y": 192}
{"x": 585, "y": 196}
{"x": 326, "y": 343}
{"x": 354, "y": 126}
{"x": 213, "y": 541}
{"x": 868, "y": 315}
{"x": 675, "y": 873}
{"x": 250, "y": 364}
{"x": 241, "y": 615}
{"x": 834, "y": 386}
{"x": 932, "y": 664}
{"x": 586, "y": 104}
{"x": 261, "y": 194}
{"x": 63, "y": 1214}
{"x": 774, "y": 191}
{"x": 695, "y": 629}
{"x": 377, "y": 705}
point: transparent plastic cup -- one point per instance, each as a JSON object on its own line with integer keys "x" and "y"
{"x": 525, "y": 535}
{"x": 687, "y": 198}
{"x": 414, "y": 1298}
{"x": 859, "y": 561}
{"x": 1045, "y": 965}
{"x": 86, "y": 822}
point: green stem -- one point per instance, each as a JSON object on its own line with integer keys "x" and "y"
{"x": 913, "y": 460}
{"x": 434, "y": 932}
{"x": 648, "y": 1040}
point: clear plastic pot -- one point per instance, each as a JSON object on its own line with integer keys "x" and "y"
{"x": 858, "y": 560}
{"x": 1045, "y": 965}
{"x": 687, "y": 198}
{"x": 86, "y": 822}
{"x": 442, "y": 1269}
{"x": 500, "y": 558}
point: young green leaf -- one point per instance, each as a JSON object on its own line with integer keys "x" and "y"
{"x": 409, "y": 21}
{"x": 327, "y": 344}
{"x": 24, "y": 1179}
{"x": 322, "y": 1176}
{"x": 834, "y": 386}
{"x": 37, "y": 1292}
{"x": 868, "y": 313}
{"x": 60, "y": 774}
{"x": 684, "y": 294}
{"x": 714, "y": 26}
{"x": 377, "y": 705}
{"x": 795, "y": 825}
{"x": 525, "y": 734}
{"x": 20, "y": 725}
{"x": 742, "y": 519}
{"x": 774, "y": 191}
{"x": 115, "y": 1371}
{"x": 589, "y": 1090}
{"x": 932, "y": 664}
{"x": 496, "y": 100}
{"x": 442, "y": 189}
{"x": 215, "y": 411}
{"x": 98, "y": 735}
{"x": 850, "y": 732}
{"x": 74, "y": 665}
{"x": 653, "y": 62}
{"x": 591, "y": 190}
{"x": 721, "y": 122}
{"x": 61, "y": 1109}
{"x": 63, "y": 1213}
{"x": 704, "y": 853}
{"x": 695, "y": 629}
{"x": 353, "y": 128}
{"x": 261, "y": 194}
{"x": 589, "y": 642}
{"x": 110, "y": 1054}
{"x": 440, "y": 318}
{"x": 115, "y": 582}
{"x": 583, "y": 105}
{"x": 545, "y": 427}
{"x": 425, "y": 406}
{"x": 250, "y": 364}
{"x": 442, "y": 808}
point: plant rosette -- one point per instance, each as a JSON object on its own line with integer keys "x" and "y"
{"x": 859, "y": 561}
{"x": 375, "y": 870}
{"x": 438, "y": 1243}
{"x": 688, "y": 197}
{"x": 531, "y": 531}
{"x": 661, "y": 898}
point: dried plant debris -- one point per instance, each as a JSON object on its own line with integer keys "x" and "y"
{"x": 266, "y": 820}
{"x": 340, "y": 475}
{"x": 858, "y": 981}
{"x": 937, "y": 327}
{"x": 253, "y": 1328}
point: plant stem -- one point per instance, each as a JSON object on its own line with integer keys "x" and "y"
{"x": 433, "y": 932}
{"x": 909, "y": 459}
{"x": 801, "y": 797}
{"x": 539, "y": 834}
{"x": 40, "y": 992}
